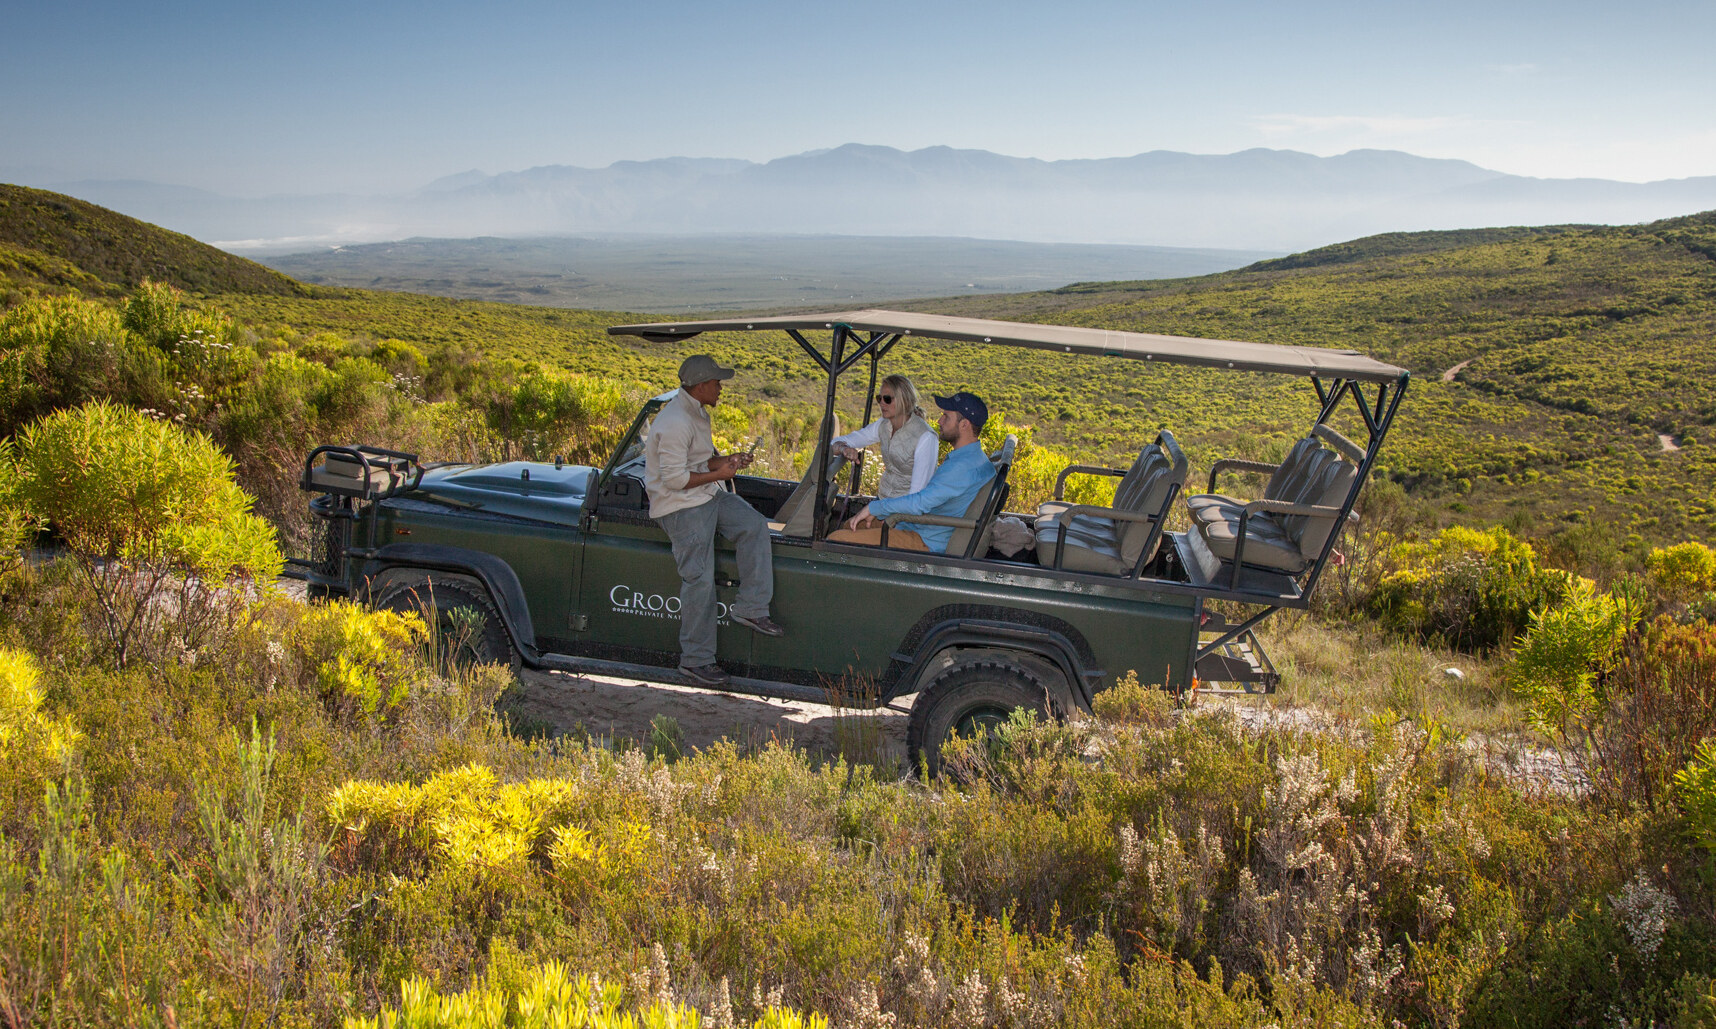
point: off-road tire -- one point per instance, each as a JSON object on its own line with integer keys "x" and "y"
{"x": 971, "y": 695}
{"x": 435, "y": 598}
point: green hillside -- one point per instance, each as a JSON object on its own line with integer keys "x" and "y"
{"x": 1576, "y": 348}
{"x": 1580, "y": 346}
{"x": 56, "y": 241}
{"x": 1572, "y": 348}
{"x": 1399, "y": 244}
{"x": 222, "y": 805}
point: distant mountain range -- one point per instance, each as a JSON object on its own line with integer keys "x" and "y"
{"x": 1258, "y": 200}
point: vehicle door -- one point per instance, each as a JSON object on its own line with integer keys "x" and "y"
{"x": 627, "y": 607}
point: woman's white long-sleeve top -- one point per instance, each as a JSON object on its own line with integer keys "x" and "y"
{"x": 923, "y": 455}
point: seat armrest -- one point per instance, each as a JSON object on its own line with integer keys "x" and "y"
{"x": 1237, "y": 464}
{"x": 1283, "y": 507}
{"x": 1083, "y": 469}
{"x": 1111, "y": 513}
{"x": 928, "y": 519}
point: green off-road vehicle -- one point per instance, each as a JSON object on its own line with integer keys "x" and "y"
{"x": 567, "y": 571}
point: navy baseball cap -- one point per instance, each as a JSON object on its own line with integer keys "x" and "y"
{"x": 968, "y": 404}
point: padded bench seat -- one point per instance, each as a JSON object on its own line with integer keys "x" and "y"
{"x": 1114, "y": 540}
{"x": 1288, "y": 529}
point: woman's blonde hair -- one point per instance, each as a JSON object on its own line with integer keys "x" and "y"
{"x": 903, "y": 391}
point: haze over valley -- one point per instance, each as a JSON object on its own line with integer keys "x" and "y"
{"x": 1257, "y": 200}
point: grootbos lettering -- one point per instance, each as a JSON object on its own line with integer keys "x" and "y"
{"x": 628, "y": 601}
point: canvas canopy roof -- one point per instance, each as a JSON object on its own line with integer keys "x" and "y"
{"x": 1073, "y": 339}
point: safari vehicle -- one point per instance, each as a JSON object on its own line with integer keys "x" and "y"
{"x": 568, "y": 571}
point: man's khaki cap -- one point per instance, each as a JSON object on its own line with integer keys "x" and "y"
{"x": 701, "y": 368}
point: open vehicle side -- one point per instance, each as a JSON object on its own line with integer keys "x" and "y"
{"x": 569, "y": 572}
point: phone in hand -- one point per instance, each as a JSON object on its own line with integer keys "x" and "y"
{"x": 752, "y": 452}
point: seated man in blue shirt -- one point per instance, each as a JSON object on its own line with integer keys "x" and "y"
{"x": 949, "y": 492}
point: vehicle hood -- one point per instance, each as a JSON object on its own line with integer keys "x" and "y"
{"x": 521, "y": 489}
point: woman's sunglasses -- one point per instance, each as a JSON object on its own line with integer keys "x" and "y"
{"x": 886, "y": 398}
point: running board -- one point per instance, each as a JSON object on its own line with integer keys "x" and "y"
{"x": 1238, "y": 667}
{"x": 673, "y": 676}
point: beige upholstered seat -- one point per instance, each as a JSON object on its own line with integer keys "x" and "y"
{"x": 795, "y": 515}
{"x": 1287, "y": 529}
{"x": 1114, "y": 540}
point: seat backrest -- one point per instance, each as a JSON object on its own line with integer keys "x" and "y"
{"x": 1163, "y": 476}
{"x": 1338, "y": 479}
{"x": 800, "y": 508}
{"x": 1290, "y": 475}
{"x": 985, "y": 505}
{"x": 1127, "y": 492}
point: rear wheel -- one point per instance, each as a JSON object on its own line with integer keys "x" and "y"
{"x": 969, "y": 698}
{"x": 465, "y": 626}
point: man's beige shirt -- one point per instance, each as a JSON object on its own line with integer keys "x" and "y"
{"x": 680, "y": 442}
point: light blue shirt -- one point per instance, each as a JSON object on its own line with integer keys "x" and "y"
{"x": 955, "y": 482}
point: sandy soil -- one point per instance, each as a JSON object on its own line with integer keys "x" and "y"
{"x": 624, "y": 709}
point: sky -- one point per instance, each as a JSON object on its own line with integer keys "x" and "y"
{"x": 375, "y": 96}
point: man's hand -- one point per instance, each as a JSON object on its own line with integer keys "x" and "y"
{"x": 862, "y": 520}
{"x": 721, "y": 468}
{"x": 726, "y": 466}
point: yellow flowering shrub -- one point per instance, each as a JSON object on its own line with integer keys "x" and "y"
{"x": 551, "y": 998}
{"x": 366, "y": 657}
{"x": 1474, "y": 589}
{"x": 1683, "y": 571}
{"x": 463, "y": 817}
{"x": 27, "y": 736}
{"x": 115, "y": 483}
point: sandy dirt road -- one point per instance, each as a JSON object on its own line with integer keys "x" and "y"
{"x": 625, "y": 709}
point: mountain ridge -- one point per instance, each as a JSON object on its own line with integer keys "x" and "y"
{"x": 1258, "y": 199}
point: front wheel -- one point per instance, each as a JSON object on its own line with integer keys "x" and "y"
{"x": 971, "y": 698}
{"x": 464, "y": 624}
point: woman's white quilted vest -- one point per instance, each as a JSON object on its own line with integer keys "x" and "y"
{"x": 898, "y": 448}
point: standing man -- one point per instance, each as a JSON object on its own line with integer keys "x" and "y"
{"x": 683, "y": 474}
{"x": 949, "y": 492}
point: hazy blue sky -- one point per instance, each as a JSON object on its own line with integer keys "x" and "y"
{"x": 254, "y": 98}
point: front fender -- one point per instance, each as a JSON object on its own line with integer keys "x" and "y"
{"x": 495, "y": 574}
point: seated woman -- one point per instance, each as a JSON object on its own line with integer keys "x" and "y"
{"x": 907, "y": 442}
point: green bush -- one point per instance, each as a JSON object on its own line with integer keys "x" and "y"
{"x": 1695, "y": 787}
{"x": 17, "y": 525}
{"x": 156, "y": 313}
{"x": 1470, "y": 588}
{"x": 1560, "y": 661}
{"x": 1660, "y": 709}
{"x": 61, "y": 351}
{"x": 141, "y": 503}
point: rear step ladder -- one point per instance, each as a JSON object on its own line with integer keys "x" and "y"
{"x": 1231, "y": 659}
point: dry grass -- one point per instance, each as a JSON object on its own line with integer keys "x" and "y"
{"x": 1357, "y": 671}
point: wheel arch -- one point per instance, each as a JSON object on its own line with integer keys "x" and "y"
{"x": 490, "y": 572}
{"x": 1049, "y": 644}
